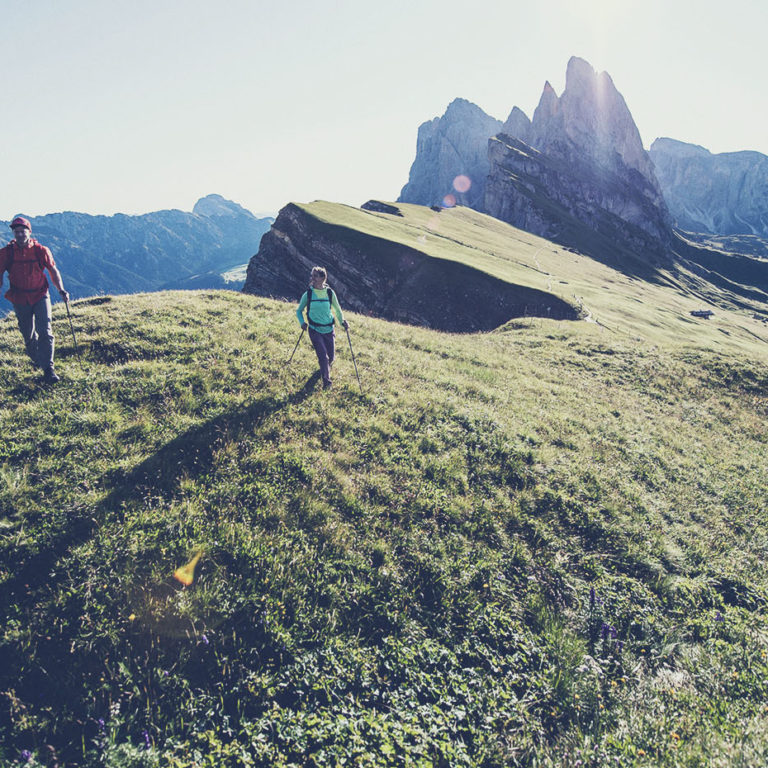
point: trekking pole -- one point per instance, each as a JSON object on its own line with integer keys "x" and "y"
{"x": 74, "y": 339}
{"x": 353, "y": 360}
{"x": 295, "y": 348}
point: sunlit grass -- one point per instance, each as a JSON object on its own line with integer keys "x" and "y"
{"x": 530, "y": 546}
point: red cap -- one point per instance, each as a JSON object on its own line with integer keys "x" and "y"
{"x": 20, "y": 221}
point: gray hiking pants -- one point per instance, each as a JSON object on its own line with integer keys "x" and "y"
{"x": 35, "y": 326}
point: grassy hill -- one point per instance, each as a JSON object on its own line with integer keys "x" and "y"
{"x": 655, "y": 309}
{"x": 536, "y": 546}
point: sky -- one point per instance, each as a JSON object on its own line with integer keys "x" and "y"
{"x": 114, "y": 106}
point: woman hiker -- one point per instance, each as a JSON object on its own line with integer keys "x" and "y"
{"x": 319, "y": 299}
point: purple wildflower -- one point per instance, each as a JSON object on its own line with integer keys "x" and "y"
{"x": 102, "y": 725}
{"x": 146, "y": 739}
{"x": 614, "y": 633}
{"x": 592, "y": 598}
{"x": 719, "y": 616}
{"x": 604, "y": 631}
{"x": 205, "y": 640}
{"x": 26, "y": 755}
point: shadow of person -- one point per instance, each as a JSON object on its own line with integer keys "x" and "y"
{"x": 191, "y": 453}
{"x": 188, "y": 455}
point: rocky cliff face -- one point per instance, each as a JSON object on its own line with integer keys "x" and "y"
{"x": 583, "y": 164}
{"x": 579, "y": 164}
{"x": 574, "y": 203}
{"x": 387, "y": 279}
{"x": 127, "y": 254}
{"x": 724, "y": 194}
{"x": 454, "y": 145}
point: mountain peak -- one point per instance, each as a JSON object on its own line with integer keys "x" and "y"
{"x": 448, "y": 147}
{"x": 518, "y": 125}
{"x": 216, "y": 205}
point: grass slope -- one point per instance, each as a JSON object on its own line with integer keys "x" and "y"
{"x": 529, "y": 547}
{"x": 656, "y": 311}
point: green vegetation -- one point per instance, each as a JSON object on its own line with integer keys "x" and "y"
{"x": 655, "y": 310}
{"x": 537, "y": 546}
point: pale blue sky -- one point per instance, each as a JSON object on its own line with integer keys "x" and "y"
{"x": 130, "y": 107}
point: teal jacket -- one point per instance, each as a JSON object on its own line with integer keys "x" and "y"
{"x": 320, "y": 308}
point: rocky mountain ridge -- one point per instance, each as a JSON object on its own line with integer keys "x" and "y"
{"x": 584, "y": 160}
{"x": 723, "y": 194}
{"x": 580, "y": 158}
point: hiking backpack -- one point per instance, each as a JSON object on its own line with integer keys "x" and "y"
{"x": 330, "y": 306}
{"x": 39, "y": 255}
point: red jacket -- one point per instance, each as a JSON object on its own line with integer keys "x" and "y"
{"x": 25, "y": 274}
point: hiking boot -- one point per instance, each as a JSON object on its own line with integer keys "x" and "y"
{"x": 327, "y": 384}
{"x": 50, "y": 376}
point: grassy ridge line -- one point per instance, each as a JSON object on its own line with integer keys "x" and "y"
{"x": 657, "y": 312}
{"x": 408, "y": 571}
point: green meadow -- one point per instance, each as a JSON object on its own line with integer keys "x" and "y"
{"x": 541, "y": 546}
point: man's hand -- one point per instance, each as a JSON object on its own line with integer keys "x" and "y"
{"x": 304, "y": 326}
{"x": 64, "y": 295}
{"x": 346, "y": 325}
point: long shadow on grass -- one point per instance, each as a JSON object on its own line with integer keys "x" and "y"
{"x": 186, "y": 456}
{"x": 191, "y": 453}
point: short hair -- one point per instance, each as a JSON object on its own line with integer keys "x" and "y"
{"x": 320, "y": 271}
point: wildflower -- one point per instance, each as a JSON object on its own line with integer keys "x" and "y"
{"x": 102, "y": 725}
{"x": 132, "y": 617}
{"x": 145, "y": 734}
{"x": 674, "y": 735}
{"x": 641, "y": 752}
{"x": 592, "y": 598}
{"x": 205, "y": 640}
{"x": 719, "y": 616}
{"x": 26, "y": 755}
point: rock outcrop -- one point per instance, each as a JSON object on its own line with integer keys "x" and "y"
{"x": 583, "y": 166}
{"x": 386, "y": 279}
{"x": 454, "y": 146}
{"x": 723, "y": 194}
{"x": 379, "y": 207}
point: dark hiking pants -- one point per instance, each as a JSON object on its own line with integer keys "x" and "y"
{"x": 35, "y": 326}
{"x": 325, "y": 347}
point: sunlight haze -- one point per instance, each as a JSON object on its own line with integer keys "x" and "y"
{"x": 141, "y": 106}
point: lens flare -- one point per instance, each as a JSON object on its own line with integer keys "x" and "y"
{"x": 186, "y": 574}
{"x": 449, "y": 201}
{"x": 462, "y": 183}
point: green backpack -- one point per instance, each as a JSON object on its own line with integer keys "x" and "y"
{"x": 330, "y": 304}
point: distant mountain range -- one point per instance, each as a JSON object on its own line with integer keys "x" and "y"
{"x": 154, "y": 251}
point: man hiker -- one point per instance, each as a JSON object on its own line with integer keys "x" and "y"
{"x": 319, "y": 300}
{"x": 25, "y": 259}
